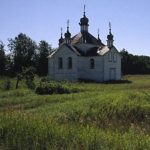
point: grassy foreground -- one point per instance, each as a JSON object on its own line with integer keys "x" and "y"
{"x": 99, "y": 116}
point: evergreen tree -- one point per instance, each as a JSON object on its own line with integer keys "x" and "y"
{"x": 44, "y": 50}
{"x": 133, "y": 64}
{"x": 2, "y": 58}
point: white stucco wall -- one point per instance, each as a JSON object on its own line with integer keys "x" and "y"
{"x": 81, "y": 66}
{"x": 113, "y": 64}
{"x": 64, "y": 73}
{"x": 51, "y": 68}
{"x": 85, "y": 72}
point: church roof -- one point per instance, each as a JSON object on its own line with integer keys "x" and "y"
{"x": 80, "y": 50}
{"x": 86, "y": 37}
{"x": 103, "y": 50}
{"x": 84, "y": 43}
{"x": 92, "y": 51}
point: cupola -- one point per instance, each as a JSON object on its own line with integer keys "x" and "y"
{"x": 84, "y": 22}
{"x": 67, "y": 34}
{"x": 61, "y": 40}
{"x": 110, "y": 37}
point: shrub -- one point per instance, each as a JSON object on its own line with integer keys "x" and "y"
{"x": 50, "y": 87}
{"x": 7, "y": 84}
{"x": 30, "y": 84}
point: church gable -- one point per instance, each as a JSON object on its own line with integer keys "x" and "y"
{"x": 64, "y": 50}
{"x": 113, "y": 55}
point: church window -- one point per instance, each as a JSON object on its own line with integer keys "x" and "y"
{"x": 110, "y": 56}
{"x": 60, "y": 63}
{"x": 69, "y": 63}
{"x": 92, "y": 63}
{"x": 114, "y": 57}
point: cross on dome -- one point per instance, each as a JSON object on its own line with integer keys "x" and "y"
{"x": 84, "y": 10}
{"x": 109, "y": 28}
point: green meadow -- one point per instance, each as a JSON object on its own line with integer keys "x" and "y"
{"x": 110, "y": 116}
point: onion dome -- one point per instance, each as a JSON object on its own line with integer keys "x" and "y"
{"x": 67, "y": 34}
{"x": 84, "y": 20}
{"x": 110, "y": 36}
{"x": 61, "y": 40}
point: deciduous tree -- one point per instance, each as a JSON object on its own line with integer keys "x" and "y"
{"x": 23, "y": 51}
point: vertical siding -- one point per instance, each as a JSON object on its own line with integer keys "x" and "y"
{"x": 64, "y": 73}
{"x": 81, "y": 66}
{"x": 51, "y": 68}
{"x": 85, "y": 72}
{"x": 112, "y": 64}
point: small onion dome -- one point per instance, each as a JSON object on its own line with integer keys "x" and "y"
{"x": 84, "y": 20}
{"x": 110, "y": 36}
{"x": 67, "y": 34}
{"x": 61, "y": 40}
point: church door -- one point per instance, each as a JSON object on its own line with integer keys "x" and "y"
{"x": 112, "y": 74}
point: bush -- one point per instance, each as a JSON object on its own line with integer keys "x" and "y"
{"x": 7, "y": 84}
{"x": 51, "y": 87}
{"x": 43, "y": 90}
{"x": 30, "y": 84}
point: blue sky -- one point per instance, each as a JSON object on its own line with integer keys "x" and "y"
{"x": 42, "y": 20}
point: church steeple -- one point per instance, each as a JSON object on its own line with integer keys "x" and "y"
{"x": 84, "y": 22}
{"x": 67, "y": 34}
{"x": 110, "y": 37}
{"x": 98, "y": 38}
{"x": 61, "y": 40}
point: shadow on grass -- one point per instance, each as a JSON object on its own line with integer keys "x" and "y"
{"x": 117, "y": 82}
{"x": 106, "y": 82}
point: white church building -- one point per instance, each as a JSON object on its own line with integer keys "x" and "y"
{"x": 85, "y": 57}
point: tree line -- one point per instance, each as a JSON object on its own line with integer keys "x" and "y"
{"x": 24, "y": 53}
{"x": 133, "y": 64}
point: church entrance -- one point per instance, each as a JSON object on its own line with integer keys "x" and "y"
{"x": 112, "y": 74}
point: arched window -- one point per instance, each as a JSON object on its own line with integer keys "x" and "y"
{"x": 92, "y": 63}
{"x": 115, "y": 57}
{"x": 69, "y": 63}
{"x": 110, "y": 56}
{"x": 60, "y": 63}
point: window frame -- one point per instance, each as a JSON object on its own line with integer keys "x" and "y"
{"x": 110, "y": 57}
{"x": 60, "y": 63}
{"x": 92, "y": 63}
{"x": 115, "y": 57}
{"x": 69, "y": 63}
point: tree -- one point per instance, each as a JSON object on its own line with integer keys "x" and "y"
{"x": 133, "y": 64}
{"x": 27, "y": 74}
{"x": 23, "y": 51}
{"x": 44, "y": 50}
{"x": 2, "y": 58}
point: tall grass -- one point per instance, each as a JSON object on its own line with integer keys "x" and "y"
{"x": 99, "y": 116}
{"x": 22, "y": 131}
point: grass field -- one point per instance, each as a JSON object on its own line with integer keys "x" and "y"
{"x": 99, "y": 116}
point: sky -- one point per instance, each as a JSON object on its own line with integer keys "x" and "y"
{"x": 42, "y": 20}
